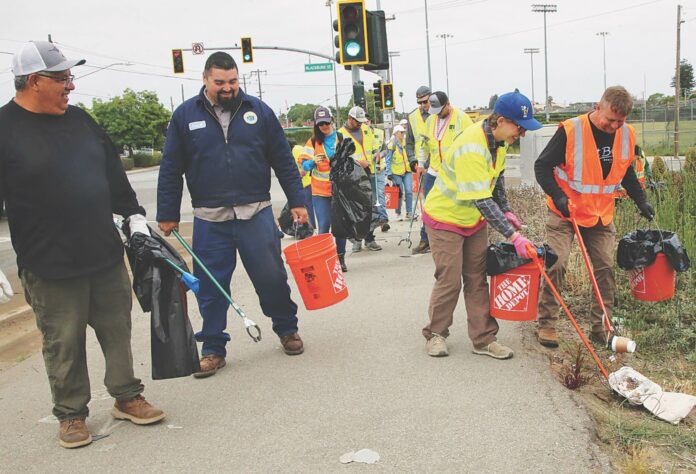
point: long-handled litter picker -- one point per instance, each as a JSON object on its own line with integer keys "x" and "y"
{"x": 252, "y": 329}
{"x": 413, "y": 214}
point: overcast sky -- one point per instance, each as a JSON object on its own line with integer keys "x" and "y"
{"x": 485, "y": 55}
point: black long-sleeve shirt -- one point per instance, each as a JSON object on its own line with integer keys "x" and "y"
{"x": 554, "y": 155}
{"x": 62, "y": 180}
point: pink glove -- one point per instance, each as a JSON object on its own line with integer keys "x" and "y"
{"x": 521, "y": 243}
{"x": 513, "y": 220}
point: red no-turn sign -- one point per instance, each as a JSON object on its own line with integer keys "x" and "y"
{"x": 197, "y": 48}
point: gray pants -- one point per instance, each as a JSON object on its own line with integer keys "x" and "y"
{"x": 63, "y": 309}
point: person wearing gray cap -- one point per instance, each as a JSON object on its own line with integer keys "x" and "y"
{"x": 62, "y": 178}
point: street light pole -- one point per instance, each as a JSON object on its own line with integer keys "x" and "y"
{"x": 545, "y": 8}
{"x": 444, "y": 36}
{"x": 333, "y": 53}
{"x": 604, "y": 34}
{"x": 427, "y": 44}
{"x": 532, "y": 52}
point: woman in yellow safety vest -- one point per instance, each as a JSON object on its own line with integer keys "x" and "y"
{"x": 316, "y": 158}
{"x": 468, "y": 193}
{"x": 306, "y": 176}
{"x": 399, "y": 171}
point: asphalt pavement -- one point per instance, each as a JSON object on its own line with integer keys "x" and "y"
{"x": 364, "y": 381}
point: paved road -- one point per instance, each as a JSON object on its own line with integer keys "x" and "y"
{"x": 363, "y": 382}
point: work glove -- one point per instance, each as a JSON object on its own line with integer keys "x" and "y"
{"x": 390, "y": 177}
{"x": 138, "y": 223}
{"x": 521, "y": 243}
{"x": 6, "y": 292}
{"x": 413, "y": 165}
{"x": 513, "y": 220}
{"x": 561, "y": 203}
{"x": 646, "y": 210}
{"x": 308, "y": 165}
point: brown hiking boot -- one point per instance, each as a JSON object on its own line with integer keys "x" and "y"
{"x": 137, "y": 410}
{"x": 547, "y": 337}
{"x": 422, "y": 247}
{"x": 74, "y": 433}
{"x": 210, "y": 365}
{"x": 292, "y": 344}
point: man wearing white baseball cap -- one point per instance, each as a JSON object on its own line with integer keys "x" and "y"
{"x": 69, "y": 255}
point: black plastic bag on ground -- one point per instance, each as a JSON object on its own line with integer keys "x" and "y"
{"x": 639, "y": 249}
{"x": 502, "y": 257}
{"x": 159, "y": 291}
{"x": 351, "y": 200}
{"x": 287, "y": 225}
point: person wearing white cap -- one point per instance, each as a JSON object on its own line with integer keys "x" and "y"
{"x": 63, "y": 181}
{"x": 356, "y": 129}
{"x": 399, "y": 171}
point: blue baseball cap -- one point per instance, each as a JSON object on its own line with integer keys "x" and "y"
{"x": 517, "y": 107}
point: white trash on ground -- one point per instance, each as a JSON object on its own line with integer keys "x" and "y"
{"x": 366, "y": 456}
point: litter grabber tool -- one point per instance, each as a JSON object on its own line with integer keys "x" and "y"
{"x": 252, "y": 329}
{"x": 613, "y": 341}
{"x": 413, "y": 215}
{"x": 186, "y": 278}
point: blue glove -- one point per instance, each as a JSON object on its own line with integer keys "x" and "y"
{"x": 308, "y": 165}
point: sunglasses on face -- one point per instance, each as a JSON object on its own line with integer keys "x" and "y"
{"x": 421, "y": 102}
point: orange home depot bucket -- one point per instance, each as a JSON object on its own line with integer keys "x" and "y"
{"x": 391, "y": 197}
{"x": 655, "y": 282}
{"x": 317, "y": 271}
{"x": 514, "y": 294}
{"x": 414, "y": 179}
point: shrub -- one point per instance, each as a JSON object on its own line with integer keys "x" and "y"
{"x": 127, "y": 163}
{"x": 690, "y": 164}
{"x": 143, "y": 160}
{"x": 659, "y": 169}
{"x": 300, "y": 136}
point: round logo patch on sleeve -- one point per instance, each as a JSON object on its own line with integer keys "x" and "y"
{"x": 251, "y": 118}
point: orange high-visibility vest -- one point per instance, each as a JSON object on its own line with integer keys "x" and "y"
{"x": 321, "y": 184}
{"x": 581, "y": 177}
{"x": 640, "y": 171}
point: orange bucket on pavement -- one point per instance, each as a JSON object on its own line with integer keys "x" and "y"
{"x": 656, "y": 282}
{"x": 317, "y": 271}
{"x": 391, "y": 197}
{"x": 515, "y": 293}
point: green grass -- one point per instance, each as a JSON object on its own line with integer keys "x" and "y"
{"x": 658, "y": 138}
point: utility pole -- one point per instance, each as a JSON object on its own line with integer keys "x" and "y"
{"x": 604, "y": 35}
{"x": 183, "y": 99}
{"x": 545, "y": 8}
{"x": 531, "y": 52}
{"x": 427, "y": 45}
{"x": 333, "y": 53}
{"x": 444, "y": 36}
{"x": 258, "y": 75}
{"x": 392, "y": 54}
{"x": 244, "y": 78}
{"x": 677, "y": 85}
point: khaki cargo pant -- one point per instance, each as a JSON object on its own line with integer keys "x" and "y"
{"x": 63, "y": 309}
{"x": 599, "y": 241}
{"x": 458, "y": 260}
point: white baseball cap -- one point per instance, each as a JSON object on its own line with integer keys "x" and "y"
{"x": 399, "y": 128}
{"x": 357, "y": 113}
{"x": 38, "y": 56}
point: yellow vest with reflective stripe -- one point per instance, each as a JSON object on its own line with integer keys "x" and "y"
{"x": 399, "y": 160}
{"x": 458, "y": 121}
{"x": 364, "y": 150}
{"x": 297, "y": 154}
{"x": 467, "y": 174}
{"x": 419, "y": 130}
{"x": 378, "y": 134}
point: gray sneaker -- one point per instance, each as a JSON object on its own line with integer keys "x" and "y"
{"x": 436, "y": 346}
{"x": 495, "y": 350}
{"x": 373, "y": 246}
{"x": 357, "y": 246}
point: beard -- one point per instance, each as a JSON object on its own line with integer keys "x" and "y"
{"x": 226, "y": 102}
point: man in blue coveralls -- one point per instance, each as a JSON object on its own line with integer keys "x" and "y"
{"x": 226, "y": 143}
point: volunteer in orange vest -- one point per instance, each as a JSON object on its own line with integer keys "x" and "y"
{"x": 583, "y": 164}
{"x": 316, "y": 158}
{"x": 468, "y": 194}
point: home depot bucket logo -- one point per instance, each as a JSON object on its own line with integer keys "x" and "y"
{"x": 637, "y": 279}
{"x": 512, "y": 293}
{"x": 338, "y": 281}
{"x": 387, "y": 200}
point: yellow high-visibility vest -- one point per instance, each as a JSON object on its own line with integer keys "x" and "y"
{"x": 399, "y": 160}
{"x": 456, "y": 122}
{"x": 363, "y": 150}
{"x": 419, "y": 130}
{"x": 466, "y": 175}
{"x": 297, "y": 151}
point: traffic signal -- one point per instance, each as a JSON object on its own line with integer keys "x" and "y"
{"x": 247, "y": 51}
{"x": 352, "y": 40}
{"x": 387, "y": 96}
{"x": 178, "y": 61}
{"x": 377, "y": 91}
{"x": 378, "y": 50}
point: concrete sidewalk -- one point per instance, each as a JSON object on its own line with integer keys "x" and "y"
{"x": 364, "y": 381}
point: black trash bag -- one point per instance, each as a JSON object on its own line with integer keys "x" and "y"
{"x": 287, "y": 225}
{"x": 159, "y": 291}
{"x": 639, "y": 249}
{"x": 502, "y": 257}
{"x": 351, "y": 195}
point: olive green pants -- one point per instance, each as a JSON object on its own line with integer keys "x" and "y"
{"x": 63, "y": 309}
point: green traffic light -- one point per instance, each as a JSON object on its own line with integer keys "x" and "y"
{"x": 388, "y": 102}
{"x": 247, "y": 57}
{"x": 353, "y": 48}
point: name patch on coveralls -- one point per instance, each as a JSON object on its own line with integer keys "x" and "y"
{"x": 196, "y": 125}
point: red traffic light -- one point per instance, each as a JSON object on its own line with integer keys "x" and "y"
{"x": 178, "y": 61}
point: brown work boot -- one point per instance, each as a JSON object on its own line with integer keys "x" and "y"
{"x": 422, "y": 247}
{"x": 209, "y": 365}
{"x": 74, "y": 433}
{"x": 292, "y": 344}
{"x": 547, "y": 337}
{"x": 137, "y": 410}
